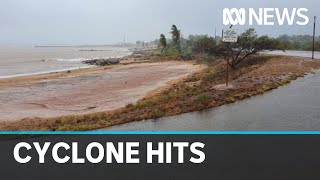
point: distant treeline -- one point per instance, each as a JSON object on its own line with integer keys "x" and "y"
{"x": 248, "y": 43}
{"x": 285, "y": 42}
{"x": 298, "y": 42}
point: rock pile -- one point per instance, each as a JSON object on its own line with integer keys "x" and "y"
{"x": 103, "y": 61}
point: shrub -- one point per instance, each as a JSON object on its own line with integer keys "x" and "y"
{"x": 130, "y": 105}
{"x": 141, "y": 105}
{"x": 204, "y": 98}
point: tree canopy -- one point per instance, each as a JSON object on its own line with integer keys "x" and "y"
{"x": 162, "y": 42}
{"x": 176, "y": 35}
{"x": 248, "y": 44}
{"x": 201, "y": 43}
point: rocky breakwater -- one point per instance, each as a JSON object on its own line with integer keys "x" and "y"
{"x": 136, "y": 54}
{"x": 103, "y": 61}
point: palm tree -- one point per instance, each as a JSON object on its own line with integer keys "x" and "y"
{"x": 162, "y": 42}
{"x": 176, "y": 35}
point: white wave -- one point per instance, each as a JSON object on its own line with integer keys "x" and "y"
{"x": 45, "y": 72}
{"x": 72, "y": 60}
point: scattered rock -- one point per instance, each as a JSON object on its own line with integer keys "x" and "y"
{"x": 136, "y": 53}
{"x": 103, "y": 61}
{"x": 91, "y": 107}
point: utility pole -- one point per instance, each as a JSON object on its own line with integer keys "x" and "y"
{"x": 314, "y": 34}
{"x": 227, "y": 74}
{"x": 229, "y": 49}
{"x": 215, "y": 34}
{"x": 124, "y": 39}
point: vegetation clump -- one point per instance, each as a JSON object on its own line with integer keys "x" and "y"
{"x": 204, "y": 98}
{"x": 247, "y": 45}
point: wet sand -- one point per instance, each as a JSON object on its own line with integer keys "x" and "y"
{"x": 85, "y": 91}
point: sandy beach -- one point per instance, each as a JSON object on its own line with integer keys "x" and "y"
{"x": 85, "y": 91}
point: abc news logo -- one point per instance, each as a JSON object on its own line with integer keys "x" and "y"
{"x": 265, "y": 16}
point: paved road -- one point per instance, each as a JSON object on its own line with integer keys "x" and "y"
{"x": 307, "y": 54}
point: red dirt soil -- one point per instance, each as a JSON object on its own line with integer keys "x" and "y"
{"x": 82, "y": 93}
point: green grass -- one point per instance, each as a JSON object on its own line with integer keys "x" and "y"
{"x": 141, "y": 105}
{"x": 204, "y": 98}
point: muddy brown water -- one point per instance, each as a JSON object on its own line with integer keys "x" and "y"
{"x": 22, "y": 61}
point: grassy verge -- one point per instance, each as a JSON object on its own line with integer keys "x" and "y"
{"x": 255, "y": 76}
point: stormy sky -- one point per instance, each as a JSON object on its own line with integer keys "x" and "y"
{"x": 74, "y": 22}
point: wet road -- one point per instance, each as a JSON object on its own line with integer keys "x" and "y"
{"x": 307, "y": 54}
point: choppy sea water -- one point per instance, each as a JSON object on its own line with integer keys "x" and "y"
{"x": 38, "y": 60}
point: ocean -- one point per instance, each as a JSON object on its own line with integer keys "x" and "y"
{"x": 22, "y": 61}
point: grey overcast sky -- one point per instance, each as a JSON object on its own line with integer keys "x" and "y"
{"x": 105, "y": 21}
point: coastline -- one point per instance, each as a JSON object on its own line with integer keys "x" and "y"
{"x": 18, "y": 80}
{"x": 85, "y": 91}
{"x": 198, "y": 91}
{"x": 137, "y": 56}
{"x": 134, "y": 52}
{"x": 28, "y": 61}
{"x": 44, "y": 72}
